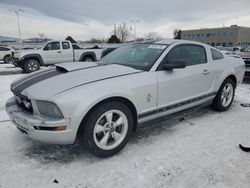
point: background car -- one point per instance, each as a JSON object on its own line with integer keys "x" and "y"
{"x": 245, "y": 55}
{"x": 5, "y": 54}
{"x": 54, "y": 52}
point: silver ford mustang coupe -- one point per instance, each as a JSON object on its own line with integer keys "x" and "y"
{"x": 101, "y": 103}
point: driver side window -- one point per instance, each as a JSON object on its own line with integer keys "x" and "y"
{"x": 52, "y": 46}
{"x": 189, "y": 53}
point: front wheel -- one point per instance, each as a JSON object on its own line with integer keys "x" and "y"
{"x": 7, "y": 59}
{"x": 31, "y": 65}
{"x": 225, "y": 95}
{"x": 108, "y": 129}
{"x": 88, "y": 59}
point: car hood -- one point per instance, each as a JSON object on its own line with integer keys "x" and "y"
{"x": 25, "y": 52}
{"x": 66, "y": 76}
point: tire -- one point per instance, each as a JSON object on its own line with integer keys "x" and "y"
{"x": 31, "y": 65}
{"x": 88, "y": 59}
{"x": 7, "y": 59}
{"x": 107, "y": 129}
{"x": 15, "y": 64}
{"x": 225, "y": 96}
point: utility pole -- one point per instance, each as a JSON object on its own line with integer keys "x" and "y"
{"x": 135, "y": 22}
{"x": 115, "y": 29}
{"x": 16, "y": 11}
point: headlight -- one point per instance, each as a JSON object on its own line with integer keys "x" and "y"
{"x": 48, "y": 109}
{"x": 27, "y": 104}
{"x": 17, "y": 55}
{"x": 24, "y": 102}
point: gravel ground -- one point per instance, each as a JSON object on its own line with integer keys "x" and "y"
{"x": 197, "y": 148}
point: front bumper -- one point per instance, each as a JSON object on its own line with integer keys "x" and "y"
{"x": 27, "y": 123}
{"x": 247, "y": 72}
{"x": 18, "y": 62}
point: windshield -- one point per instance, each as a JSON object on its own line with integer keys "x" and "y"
{"x": 138, "y": 56}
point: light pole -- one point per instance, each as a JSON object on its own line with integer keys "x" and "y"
{"x": 18, "y": 24}
{"x": 134, "y": 22}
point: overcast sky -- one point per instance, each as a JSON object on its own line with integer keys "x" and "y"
{"x": 83, "y": 19}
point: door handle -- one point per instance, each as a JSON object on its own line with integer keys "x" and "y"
{"x": 59, "y": 52}
{"x": 205, "y": 72}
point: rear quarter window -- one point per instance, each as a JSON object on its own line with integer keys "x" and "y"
{"x": 65, "y": 45}
{"x": 216, "y": 55}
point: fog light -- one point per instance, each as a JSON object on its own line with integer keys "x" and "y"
{"x": 59, "y": 128}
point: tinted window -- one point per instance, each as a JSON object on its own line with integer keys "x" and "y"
{"x": 52, "y": 46}
{"x": 139, "y": 56}
{"x": 4, "y": 49}
{"x": 65, "y": 45}
{"x": 191, "y": 54}
{"x": 216, "y": 54}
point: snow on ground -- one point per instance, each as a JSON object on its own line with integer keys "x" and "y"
{"x": 201, "y": 150}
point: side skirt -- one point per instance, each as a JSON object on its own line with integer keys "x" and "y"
{"x": 173, "y": 115}
{"x": 175, "y": 107}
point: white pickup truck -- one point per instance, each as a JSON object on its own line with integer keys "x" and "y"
{"x": 54, "y": 52}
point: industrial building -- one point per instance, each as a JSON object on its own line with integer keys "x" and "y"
{"x": 224, "y": 36}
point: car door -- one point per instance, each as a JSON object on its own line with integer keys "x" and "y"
{"x": 67, "y": 52}
{"x": 185, "y": 87}
{"x": 52, "y": 53}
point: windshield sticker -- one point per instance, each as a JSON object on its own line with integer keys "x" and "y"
{"x": 154, "y": 46}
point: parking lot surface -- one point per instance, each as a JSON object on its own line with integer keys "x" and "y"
{"x": 197, "y": 148}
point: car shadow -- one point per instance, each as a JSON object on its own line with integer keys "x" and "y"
{"x": 44, "y": 153}
{"x": 4, "y": 73}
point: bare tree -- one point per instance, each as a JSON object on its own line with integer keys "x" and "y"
{"x": 123, "y": 32}
{"x": 41, "y": 36}
{"x": 152, "y": 36}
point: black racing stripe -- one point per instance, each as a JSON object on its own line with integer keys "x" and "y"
{"x": 99, "y": 80}
{"x": 14, "y": 84}
{"x": 146, "y": 114}
{"x": 19, "y": 88}
{"x": 173, "y": 106}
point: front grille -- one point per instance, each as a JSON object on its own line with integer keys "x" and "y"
{"x": 22, "y": 131}
{"x": 24, "y": 102}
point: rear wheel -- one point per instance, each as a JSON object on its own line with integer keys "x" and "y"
{"x": 225, "y": 95}
{"x": 88, "y": 59}
{"x": 108, "y": 129}
{"x": 31, "y": 65}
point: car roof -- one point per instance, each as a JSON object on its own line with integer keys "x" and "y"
{"x": 171, "y": 41}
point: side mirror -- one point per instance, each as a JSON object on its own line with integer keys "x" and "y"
{"x": 176, "y": 64}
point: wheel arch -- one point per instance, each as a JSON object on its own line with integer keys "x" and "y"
{"x": 34, "y": 56}
{"x": 88, "y": 54}
{"x": 232, "y": 77}
{"x": 223, "y": 78}
{"x": 123, "y": 100}
{"x": 7, "y": 55}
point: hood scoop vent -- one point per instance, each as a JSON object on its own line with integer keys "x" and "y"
{"x": 73, "y": 66}
{"x": 61, "y": 69}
